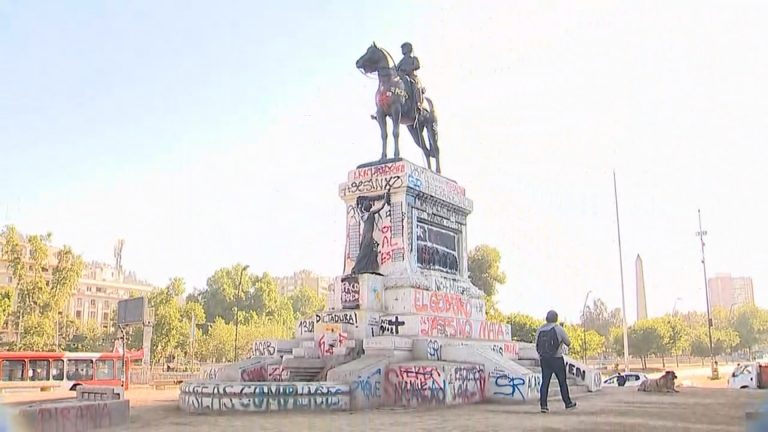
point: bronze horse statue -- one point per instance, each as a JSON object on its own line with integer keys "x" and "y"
{"x": 395, "y": 99}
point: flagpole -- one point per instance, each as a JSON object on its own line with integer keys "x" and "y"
{"x": 621, "y": 270}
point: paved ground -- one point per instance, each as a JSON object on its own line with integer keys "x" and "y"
{"x": 612, "y": 409}
{"x": 693, "y": 409}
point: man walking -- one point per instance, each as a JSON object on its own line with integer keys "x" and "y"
{"x": 550, "y": 339}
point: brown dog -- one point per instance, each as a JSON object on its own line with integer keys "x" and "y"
{"x": 663, "y": 384}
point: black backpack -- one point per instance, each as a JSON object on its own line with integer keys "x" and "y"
{"x": 547, "y": 343}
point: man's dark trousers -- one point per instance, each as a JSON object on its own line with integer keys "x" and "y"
{"x": 549, "y": 366}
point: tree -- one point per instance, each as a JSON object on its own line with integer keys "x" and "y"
{"x": 597, "y": 317}
{"x": 723, "y": 340}
{"x": 492, "y": 312}
{"x": 224, "y": 290}
{"x": 524, "y": 326}
{"x": 41, "y": 291}
{"x": 751, "y": 324}
{"x": 590, "y": 342}
{"x": 169, "y": 333}
{"x": 645, "y": 338}
{"x": 615, "y": 341}
{"x": 306, "y": 302}
{"x": 216, "y": 345}
{"x": 484, "y": 269}
{"x": 89, "y": 337}
{"x": 676, "y": 336}
{"x": 6, "y": 300}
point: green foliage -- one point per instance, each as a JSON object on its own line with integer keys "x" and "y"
{"x": 89, "y": 337}
{"x": 590, "y": 342}
{"x": 169, "y": 332}
{"x": 484, "y": 269}
{"x": 524, "y": 326}
{"x": 41, "y": 291}
{"x": 492, "y": 312}
{"x": 224, "y": 290}
{"x": 597, "y": 317}
{"x": 675, "y": 334}
{"x": 751, "y": 324}
{"x": 305, "y": 303}
{"x": 6, "y": 301}
{"x": 615, "y": 341}
{"x": 645, "y": 338}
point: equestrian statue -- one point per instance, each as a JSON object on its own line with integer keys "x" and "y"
{"x": 400, "y": 97}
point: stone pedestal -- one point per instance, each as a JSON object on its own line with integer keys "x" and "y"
{"x": 415, "y": 239}
{"x": 405, "y": 259}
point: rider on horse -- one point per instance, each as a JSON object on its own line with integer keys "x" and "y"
{"x": 408, "y": 67}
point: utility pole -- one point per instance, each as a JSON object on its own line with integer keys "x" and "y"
{"x": 621, "y": 270}
{"x": 701, "y": 233}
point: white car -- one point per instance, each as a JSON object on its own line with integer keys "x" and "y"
{"x": 633, "y": 379}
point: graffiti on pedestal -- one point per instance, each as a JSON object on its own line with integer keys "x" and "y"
{"x": 436, "y": 248}
{"x": 350, "y": 292}
{"x": 374, "y": 234}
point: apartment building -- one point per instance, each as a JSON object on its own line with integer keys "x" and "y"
{"x": 726, "y": 291}
{"x": 304, "y": 278}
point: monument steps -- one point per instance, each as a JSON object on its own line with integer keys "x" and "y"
{"x": 303, "y": 369}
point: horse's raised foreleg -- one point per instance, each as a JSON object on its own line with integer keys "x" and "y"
{"x": 396, "y": 111}
{"x": 381, "y": 119}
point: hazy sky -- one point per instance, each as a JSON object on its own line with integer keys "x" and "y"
{"x": 212, "y": 133}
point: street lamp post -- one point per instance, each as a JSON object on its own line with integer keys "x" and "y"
{"x": 701, "y": 233}
{"x": 237, "y": 310}
{"x": 584, "y": 327}
{"x": 621, "y": 272}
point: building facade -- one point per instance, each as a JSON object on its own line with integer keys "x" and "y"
{"x": 99, "y": 290}
{"x": 304, "y": 278}
{"x": 726, "y": 291}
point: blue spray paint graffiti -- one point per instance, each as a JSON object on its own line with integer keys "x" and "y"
{"x": 369, "y": 386}
{"x": 434, "y": 350}
{"x": 509, "y": 386}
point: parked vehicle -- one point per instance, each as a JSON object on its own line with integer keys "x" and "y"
{"x": 64, "y": 370}
{"x": 633, "y": 379}
{"x": 749, "y": 375}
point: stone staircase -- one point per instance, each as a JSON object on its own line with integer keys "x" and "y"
{"x": 303, "y": 369}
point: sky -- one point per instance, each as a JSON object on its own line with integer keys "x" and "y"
{"x": 207, "y": 134}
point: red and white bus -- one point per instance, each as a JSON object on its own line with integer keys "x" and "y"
{"x": 66, "y": 370}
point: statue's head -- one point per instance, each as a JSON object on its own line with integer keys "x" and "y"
{"x": 369, "y": 61}
{"x": 407, "y": 48}
{"x": 364, "y": 204}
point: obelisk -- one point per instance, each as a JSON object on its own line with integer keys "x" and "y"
{"x": 642, "y": 309}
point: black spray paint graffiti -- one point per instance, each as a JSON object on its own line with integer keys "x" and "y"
{"x": 337, "y": 318}
{"x": 378, "y": 184}
{"x": 306, "y": 326}
{"x": 498, "y": 349}
{"x": 263, "y": 349}
{"x": 576, "y": 372}
{"x": 391, "y": 326}
{"x": 350, "y": 292}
